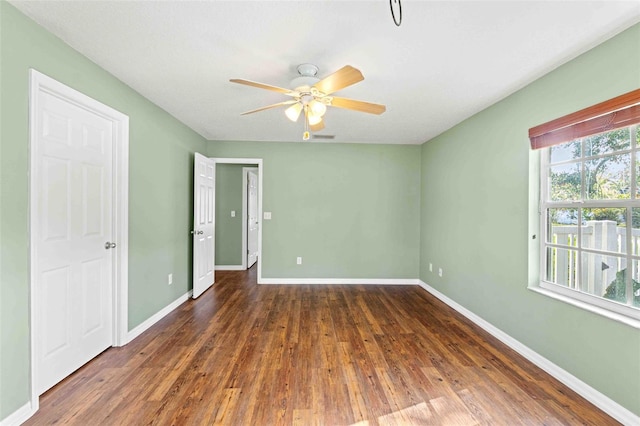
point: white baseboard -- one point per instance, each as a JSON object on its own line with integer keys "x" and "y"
{"x": 157, "y": 317}
{"x": 19, "y": 416}
{"x": 229, "y": 268}
{"x": 589, "y": 393}
{"x": 371, "y": 281}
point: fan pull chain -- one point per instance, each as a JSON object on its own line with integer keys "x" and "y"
{"x": 306, "y": 135}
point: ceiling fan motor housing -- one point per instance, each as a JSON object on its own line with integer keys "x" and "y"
{"x": 307, "y": 76}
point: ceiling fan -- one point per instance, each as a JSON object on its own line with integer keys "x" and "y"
{"x": 311, "y": 96}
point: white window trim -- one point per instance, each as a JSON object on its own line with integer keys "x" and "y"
{"x": 586, "y": 301}
{"x": 610, "y": 309}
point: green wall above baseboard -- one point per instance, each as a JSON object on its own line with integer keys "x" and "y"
{"x": 349, "y": 210}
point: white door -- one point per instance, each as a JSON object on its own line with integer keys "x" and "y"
{"x": 252, "y": 218}
{"x": 204, "y": 186}
{"x": 73, "y": 223}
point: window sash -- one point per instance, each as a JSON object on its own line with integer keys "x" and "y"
{"x": 627, "y": 308}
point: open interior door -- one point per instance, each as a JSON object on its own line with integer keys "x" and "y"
{"x": 204, "y": 187}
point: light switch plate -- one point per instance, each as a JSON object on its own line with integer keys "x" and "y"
{"x": 233, "y": 213}
{"x": 267, "y": 216}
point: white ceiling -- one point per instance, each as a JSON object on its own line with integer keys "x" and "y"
{"x": 447, "y": 61}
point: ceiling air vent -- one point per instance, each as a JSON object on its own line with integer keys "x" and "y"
{"x": 327, "y": 137}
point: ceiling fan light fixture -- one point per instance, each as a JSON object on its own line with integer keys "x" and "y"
{"x": 317, "y": 108}
{"x": 314, "y": 119}
{"x": 293, "y": 112}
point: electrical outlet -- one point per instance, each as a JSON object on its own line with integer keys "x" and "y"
{"x": 430, "y": 267}
{"x": 299, "y": 260}
{"x": 170, "y": 278}
{"x": 440, "y": 271}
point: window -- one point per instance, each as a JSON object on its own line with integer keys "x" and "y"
{"x": 590, "y": 207}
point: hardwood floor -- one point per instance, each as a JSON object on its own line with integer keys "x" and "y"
{"x": 244, "y": 354}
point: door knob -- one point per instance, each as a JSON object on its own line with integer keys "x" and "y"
{"x": 109, "y": 245}
{"x": 200, "y": 232}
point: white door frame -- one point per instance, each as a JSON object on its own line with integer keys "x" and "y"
{"x": 258, "y": 163}
{"x": 245, "y": 173}
{"x": 40, "y": 83}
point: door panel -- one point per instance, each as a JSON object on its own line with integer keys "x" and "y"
{"x": 204, "y": 224}
{"x": 74, "y": 270}
{"x": 92, "y": 282}
{"x": 55, "y": 203}
{"x": 92, "y": 200}
{"x": 56, "y": 314}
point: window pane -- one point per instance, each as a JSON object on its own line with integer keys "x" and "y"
{"x": 616, "y": 289}
{"x": 635, "y": 231}
{"x": 603, "y": 275}
{"x": 638, "y": 172}
{"x": 608, "y": 178}
{"x": 562, "y": 226}
{"x": 604, "y": 143}
{"x": 604, "y": 229}
{"x": 566, "y": 151}
{"x": 562, "y": 266}
{"x": 636, "y": 283}
{"x": 564, "y": 182}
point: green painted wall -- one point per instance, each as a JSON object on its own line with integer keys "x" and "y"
{"x": 161, "y": 163}
{"x": 229, "y": 229}
{"x": 475, "y": 221}
{"x": 350, "y": 210}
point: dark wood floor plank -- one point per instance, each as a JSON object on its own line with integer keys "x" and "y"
{"x": 245, "y": 354}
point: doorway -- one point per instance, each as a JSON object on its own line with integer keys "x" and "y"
{"x": 250, "y": 223}
{"x": 78, "y": 213}
{"x": 256, "y": 165}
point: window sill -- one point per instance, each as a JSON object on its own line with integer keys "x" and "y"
{"x": 615, "y": 316}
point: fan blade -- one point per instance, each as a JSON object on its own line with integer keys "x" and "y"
{"x": 317, "y": 127}
{"x": 269, "y": 107}
{"x": 345, "y": 76}
{"x": 358, "y": 105}
{"x": 265, "y": 86}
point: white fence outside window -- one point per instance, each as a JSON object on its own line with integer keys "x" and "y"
{"x": 599, "y": 270}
